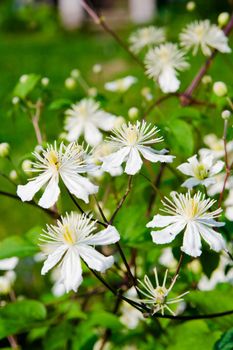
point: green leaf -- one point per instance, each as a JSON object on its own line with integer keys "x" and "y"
{"x": 181, "y": 137}
{"x": 225, "y": 342}
{"x": 187, "y": 113}
{"x": 22, "y": 89}
{"x": 105, "y": 319}
{"x": 58, "y": 336}
{"x": 20, "y": 316}
{"x": 209, "y": 261}
{"x": 59, "y": 104}
{"x": 17, "y": 246}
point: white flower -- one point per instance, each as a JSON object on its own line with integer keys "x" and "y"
{"x": 130, "y": 316}
{"x": 229, "y": 204}
{"x": 120, "y": 85}
{"x": 131, "y": 141}
{"x": 72, "y": 240}
{"x": 188, "y": 214}
{"x": 87, "y": 118}
{"x": 67, "y": 162}
{"x": 205, "y": 35}
{"x": 219, "y": 182}
{"x": 9, "y": 264}
{"x": 4, "y": 149}
{"x": 7, "y": 281}
{"x": 202, "y": 171}
{"x": 145, "y": 37}
{"x": 163, "y": 63}
{"x": 216, "y": 147}
{"x": 167, "y": 258}
{"x": 157, "y": 296}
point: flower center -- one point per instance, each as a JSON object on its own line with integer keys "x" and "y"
{"x": 68, "y": 235}
{"x": 201, "y": 172}
{"x": 164, "y": 55}
{"x": 53, "y": 159}
{"x": 160, "y": 294}
{"x": 199, "y": 30}
{"x": 192, "y": 208}
{"x": 132, "y": 135}
{"x": 83, "y": 112}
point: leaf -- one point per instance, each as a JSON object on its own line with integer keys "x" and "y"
{"x": 57, "y": 337}
{"x": 209, "y": 261}
{"x": 22, "y": 89}
{"x": 59, "y": 104}
{"x": 105, "y": 319}
{"x": 20, "y": 316}
{"x": 181, "y": 137}
{"x": 17, "y": 246}
{"x": 225, "y": 342}
{"x": 187, "y": 113}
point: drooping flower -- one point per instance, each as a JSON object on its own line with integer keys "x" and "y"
{"x": 204, "y": 35}
{"x": 157, "y": 296}
{"x": 72, "y": 240}
{"x": 163, "y": 63}
{"x": 8, "y": 278}
{"x": 67, "y": 162}
{"x": 87, "y": 118}
{"x": 9, "y": 263}
{"x": 191, "y": 215}
{"x": 201, "y": 172}
{"x": 145, "y": 37}
{"x": 120, "y": 85}
{"x": 131, "y": 141}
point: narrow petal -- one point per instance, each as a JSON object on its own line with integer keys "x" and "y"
{"x": 134, "y": 162}
{"x": 51, "y": 193}
{"x": 53, "y": 259}
{"x": 107, "y": 236}
{"x": 92, "y": 135}
{"x": 190, "y": 183}
{"x": 115, "y": 159}
{"x": 192, "y": 241}
{"x": 105, "y": 121}
{"x": 94, "y": 259}
{"x": 186, "y": 169}
{"x": 154, "y": 156}
{"x": 217, "y": 167}
{"x": 71, "y": 270}
{"x": 167, "y": 234}
{"x": 213, "y": 238}
{"x": 74, "y": 132}
{"x": 161, "y": 221}
{"x": 168, "y": 81}
{"x": 27, "y": 192}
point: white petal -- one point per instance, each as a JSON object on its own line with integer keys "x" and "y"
{"x": 27, "y": 192}
{"x": 53, "y": 259}
{"x": 168, "y": 81}
{"x": 229, "y": 213}
{"x": 115, "y": 159}
{"x": 167, "y": 234}
{"x": 216, "y": 168}
{"x": 9, "y": 264}
{"x": 154, "y": 156}
{"x": 190, "y": 183}
{"x": 92, "y": 135}
{"x": 79, "y": 186}
{"x": 161, "y": 221}
{"x": 105, "y": 121}
{"x": 213, "y": 238}
{"x": 134, "y": 162}
{"x": 75, "y": 132}
{"x": 94, "y": 259}
{"x": 192, "y": 241}
{"x": 107, "y": 236}
{"x": 186, "y": 169}
{"x": 71, "y": 270}
{"x": 51, "y": 193}
{"x": 210, "y": 222}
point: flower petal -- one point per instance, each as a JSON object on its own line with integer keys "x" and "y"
{"x": 53, "y": 259}
{"x": 134, "y": 162}
{"x": 154, "y": 156}
{"x": 190, "y": 183}
{"x": 115, "y": 159}
{"x": 74, "y": 131}
{"x": 162, "y": 221}
{"x": 27, "y": 192}
{"x": 168, "y": 81}
{"x": 192, "y": 240}
{"x": 94, "y": 259}
{"x": 107, "y": 236}
{"x": 71, "y": 270}
{"x": 213, "y": 238}
{"x": 168, "y": 233}
{"x": 51, "y": 193}
{"x": 92, "y": 135}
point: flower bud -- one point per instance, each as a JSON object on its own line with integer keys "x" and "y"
{"x": 15, "y": 100}
{"x": 133, "y": 112}
{"x": 226, "y": 114}
{"x": 26, "y": 165}
{"x": 190, "y": 6}
{"x": 206, "y": 79}
{"x": 118, "y": 122}
{"x": 4, "y": 149}
{"x": 223, "y": 19}
{"x": 75, "y": 73}
{"x": 92, "y": 91}
{"x": 45, "y": 81}
{"x": 220, "y": 88}
{"x": 13, "y": 175}
{"x": 146, "y": 93}
{"x": 23, "y": 78}
{"x": 70, "y": 83}
{"x": 97, "y": 68}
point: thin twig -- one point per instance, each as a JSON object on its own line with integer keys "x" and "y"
{"x": 156, "y": 185}
{"x": 36, "y": 119}
{"x": 129, "y": 186}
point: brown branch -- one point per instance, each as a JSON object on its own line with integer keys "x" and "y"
{"x": 185, "y": 97}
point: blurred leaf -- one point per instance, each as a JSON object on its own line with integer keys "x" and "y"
{"x": 58, "y": 336}
{"x": 209, "y": 261}
{"x": 193, "y": 335}
{"x": 59, "y": 104}
{"x": 225, "y": 342}
{"x": 105, "y": 319}
{"x": 187, "y": 113}
{"x": 17, "y": 246}
{"x": 181, "y": 137}
{"x": 20, "y": 316}
{"x": 22, "y": 89}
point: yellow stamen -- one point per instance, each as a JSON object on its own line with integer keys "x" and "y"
{"x": 52, "y": 157}
{"x": 68, "y": 235}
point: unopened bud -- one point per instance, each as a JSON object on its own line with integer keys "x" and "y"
{"x": 92, "y": 92}
{"x": 226, "y": 114}
{"x": 4, "y": 149}
{"x": 133, "y": 112}
{"x": 190, "y": 6}
{"x": 70, "y": 83}
{"x": 223, "y": 19}
{"x": 13, "y": 175}
{"x": 26, "y": 165}
{"x": 23, "y": 78}
{"x": 118, "y": 122}
{"x": 97, "y": 68}
{"x": 45, "y": 81}
{"x": 206, "y": 79}
{"x": 220, "y": 88}
{"x": 15, "y": 100}
{"x": 75, "y": 73}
